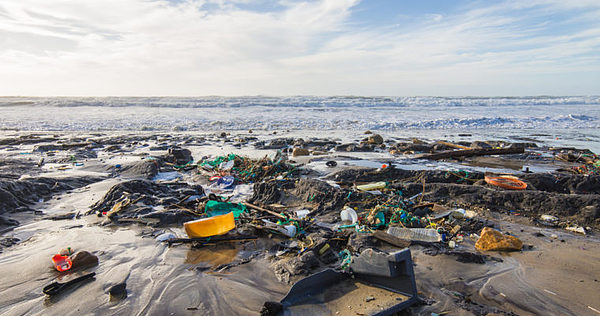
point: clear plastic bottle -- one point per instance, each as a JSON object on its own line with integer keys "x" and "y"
{"x": 416, "y": 234}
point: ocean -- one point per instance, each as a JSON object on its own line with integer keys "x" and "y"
{"x": 575, "y": 118}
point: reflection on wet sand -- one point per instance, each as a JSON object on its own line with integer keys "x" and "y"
{"x": 214, "y": 255}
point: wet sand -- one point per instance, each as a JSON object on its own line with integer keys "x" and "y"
{"x": 551, "y": 276}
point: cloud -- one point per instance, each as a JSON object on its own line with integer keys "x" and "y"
{"x": 193, "y": 47}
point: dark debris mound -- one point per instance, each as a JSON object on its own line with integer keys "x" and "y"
{"x": 16, "y": 195}
{"x": 145, "y": 199}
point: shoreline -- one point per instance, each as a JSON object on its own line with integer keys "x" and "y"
{"x": 130, "y": 249}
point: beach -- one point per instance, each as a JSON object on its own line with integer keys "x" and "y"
{"x": 58, "y": 181}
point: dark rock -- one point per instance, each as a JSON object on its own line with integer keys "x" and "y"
{"x": 142, "y": 169}
{"x": 83, "y": 259}
{"x": 118, "y": 291}
{"x": 344, "y": 147}
{"x": 300, "y": 152}
{"x": 179, "y": 156}
{"x": 375, "y": 139}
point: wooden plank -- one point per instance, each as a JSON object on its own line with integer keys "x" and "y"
{"x": 390, "y": 239}
{"x": 471, "y": 153}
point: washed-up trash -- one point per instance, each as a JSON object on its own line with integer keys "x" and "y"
{"x": 56, "y": 288}
{"x": 371, "y": 186}
{"x": 457, "y": 213}
{"x": 66, "y": 251}
{"x": 300, "y": 214}
{"x": 240, "y": 193}
{"x": 506, "y": 182}
{"x": 211, "y": 226}
{"x": 392, "y": 240}
{"x": 207, "y": 240}
{"x": 226, "y": 166}
{"x": 214, "y": 208}
{"x": 222, "y": 183}
{"x": 165, "y": 237}
{"x": 576, "y": 229}
{"x": 248, "y": 170}
{"x": 348, "y": 214}
{"x": 193, "y": 198}
{"x": 288, "y": 230}
{"x": 331, "y": 164}
{"x": 62, "y": 263}
{"x": 548, "y": 220}
{"x": 491, "y": 240}
{"x": 393, "y": 273}
{"x": 416, "y": 234}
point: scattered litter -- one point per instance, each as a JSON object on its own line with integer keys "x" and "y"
{"x": 56, "y": 288}
{"x": 211, "y": 226}
{"x": 62, "y": 262}
{"x": 415, "y": 234}
{"x": 371, "y": 186}
{"x": 576, "y": 229}
{"x": 165, "y": 237}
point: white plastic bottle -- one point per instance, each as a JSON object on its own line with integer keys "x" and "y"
{"x": 416, "y": 234}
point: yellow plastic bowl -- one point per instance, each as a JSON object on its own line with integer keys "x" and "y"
{"x": 211, "y": 226}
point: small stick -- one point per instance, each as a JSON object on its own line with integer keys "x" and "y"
{"x": 209, "y": 239}
{"x": 258, "y": 208}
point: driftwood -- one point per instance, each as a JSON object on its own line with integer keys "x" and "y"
{"x": 391, "y": 239}
{"x": 453, "y": 145}
{"x": 471, "y": 153}
{"x": 258, "y": 208}
{"x": 213, "y": 239}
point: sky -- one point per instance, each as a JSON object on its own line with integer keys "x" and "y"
{"x": 289, "y": 47}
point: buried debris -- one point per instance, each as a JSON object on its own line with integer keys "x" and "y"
{"x": 387, "y": 280}
{"x": 56, "y": 288}
{"x": 506, "y": 182}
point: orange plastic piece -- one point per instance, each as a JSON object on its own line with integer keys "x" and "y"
{"x": 211, "y": 226}
{"x": 62, "y": 263}
{"x": 506, "y": 182}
